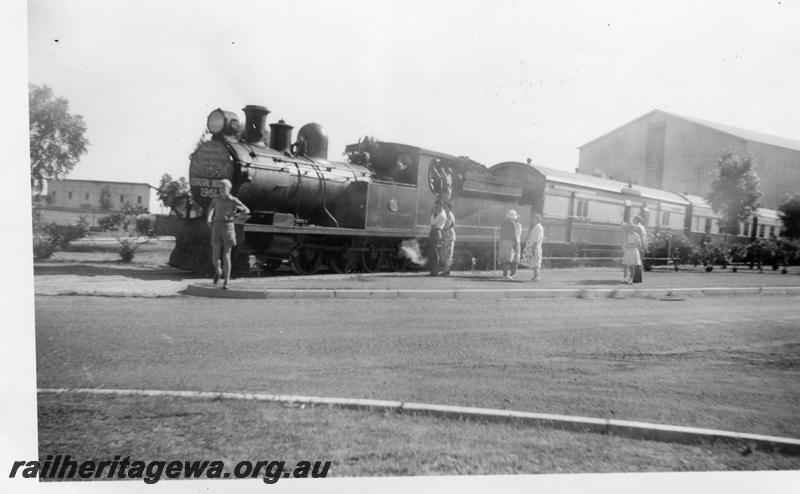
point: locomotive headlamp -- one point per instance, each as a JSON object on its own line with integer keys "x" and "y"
{"x": 222, "y": 122}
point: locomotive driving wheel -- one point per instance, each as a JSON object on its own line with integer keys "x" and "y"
{"x": 342, "y": 261}
{"x": 268, "y": 264}
{"x": 305, "y": 260}
{"x": 371, "y": 259}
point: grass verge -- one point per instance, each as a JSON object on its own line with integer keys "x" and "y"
{"x": 358, "y": 443}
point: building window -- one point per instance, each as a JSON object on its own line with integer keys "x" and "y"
{"x": 761, "y": 231}
{"x": 665, "y": 218}
{"x": 707, "y": 229}
{"x": 121, "y": 198}
{"x": 53, "y": 194}
{"x": 69, "y": 195}
{"x": 772, "y": 231}
{"x": 86, "y": 196}
{"x": 745, "y": 229}
{"x": 139, "y": 200}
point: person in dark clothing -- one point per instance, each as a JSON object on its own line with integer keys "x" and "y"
{"x": 510, "y": 233}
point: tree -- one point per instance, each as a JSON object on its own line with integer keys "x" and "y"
{"x": 56, "y": 136}
{"x": 734, "y": 191}
{"x": 176, "y": 195}
{"x": 789, "y": 213}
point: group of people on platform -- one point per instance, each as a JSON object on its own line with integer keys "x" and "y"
{"x": 225, "y": 209}
{"x": 442, "y": 238}
{"x": 511, "y": 252}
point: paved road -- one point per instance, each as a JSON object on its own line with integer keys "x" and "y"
{"x": 719, "y": 362}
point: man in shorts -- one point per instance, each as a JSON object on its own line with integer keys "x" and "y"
{"x": 224, "y": 210}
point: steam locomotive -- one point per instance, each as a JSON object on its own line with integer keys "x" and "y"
{"x": 309, "y": 211}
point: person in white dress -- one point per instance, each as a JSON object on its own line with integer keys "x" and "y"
{"x": 631, "y": 244}
{"x": 535, "y": 245}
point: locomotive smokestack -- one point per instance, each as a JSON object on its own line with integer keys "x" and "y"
{"x": 255, "y": 118}
{"x": 280, "y": 136}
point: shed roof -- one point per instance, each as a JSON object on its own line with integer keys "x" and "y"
{"x": 748, "y": 135}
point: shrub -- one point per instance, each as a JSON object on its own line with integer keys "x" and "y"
{"x": 126, "y": 228}
{"x": 738, "y": 253}
{"x": 128, "y": 249}
{"x": 111, "y": 222}
{"x": 43, "y": 248}
{"x": 785, "y": 251}
{"x": 680, "y": 247}
{"x": 758, "y": 251}
{"x": 710, "y": 253}
{"x": 62, "y": 235}
{"x": 145, "y": 225}
{"x": 49, "y": 237}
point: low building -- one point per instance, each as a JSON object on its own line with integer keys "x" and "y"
{"x": 679, "y": 154}
{"x": 65, "y": 201}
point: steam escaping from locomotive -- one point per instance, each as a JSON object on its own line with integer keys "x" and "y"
{"x": 410, "y": 250}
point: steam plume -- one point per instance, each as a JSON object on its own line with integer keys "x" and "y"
{"x": 410, "y": 249}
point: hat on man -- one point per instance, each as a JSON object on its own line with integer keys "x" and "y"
{"x": 512, "y": 214}
{"x": 226, "y": 183}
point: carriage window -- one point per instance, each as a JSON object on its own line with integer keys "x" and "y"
{"x": 604, "y": 211}
{"x": 582, "y": 208}
{"x": 556, "y": 206}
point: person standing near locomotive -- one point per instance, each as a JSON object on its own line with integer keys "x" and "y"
{"x": 632, "y": 242}
{"x": 224, "y": 210}
{"x": 534, "y": 245}
{"x": 510, "y": 233}
{"x": 442, "y": 181}
{"x": 448, "y": 238}
{"x": 438, "y": 220}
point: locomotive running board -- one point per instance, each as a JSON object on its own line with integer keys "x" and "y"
{"x": 326, "y": 230}
{"x": 419, "y": 232}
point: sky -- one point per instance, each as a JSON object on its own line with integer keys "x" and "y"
{"x": 492, "y": 80}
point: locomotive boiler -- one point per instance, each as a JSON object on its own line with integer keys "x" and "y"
{"x": 274, "y": 177}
